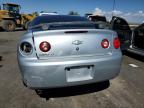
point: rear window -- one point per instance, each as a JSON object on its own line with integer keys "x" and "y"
{"x": 56, "y": 22}
{"x": 56, "y": 18}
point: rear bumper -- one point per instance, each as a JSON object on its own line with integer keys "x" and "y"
{"x": 38, "y": 74}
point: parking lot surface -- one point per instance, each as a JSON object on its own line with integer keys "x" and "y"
{"x": 125, "y": 91}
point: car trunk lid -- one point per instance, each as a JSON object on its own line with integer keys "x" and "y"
{"x": 72, "y": 42}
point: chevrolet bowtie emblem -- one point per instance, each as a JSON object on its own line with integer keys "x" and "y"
{"x": 77, "y": 42}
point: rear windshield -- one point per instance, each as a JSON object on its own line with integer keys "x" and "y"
{"x": 56, "y": 22}
{"x": 56, "y": 18}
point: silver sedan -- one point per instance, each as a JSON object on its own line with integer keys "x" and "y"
{"x": 61, "y": 51}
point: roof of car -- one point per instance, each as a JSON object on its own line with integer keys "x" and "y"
{"x": 48, "y": 13}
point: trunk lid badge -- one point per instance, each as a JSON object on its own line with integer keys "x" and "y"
{"x": 77, "y": 42}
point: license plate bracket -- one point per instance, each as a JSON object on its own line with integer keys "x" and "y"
{"x": 79, "y": 73}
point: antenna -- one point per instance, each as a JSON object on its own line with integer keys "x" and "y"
{"x": 113, "y": 8}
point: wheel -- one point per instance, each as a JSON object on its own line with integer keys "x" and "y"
{"x": 8, "y": 25}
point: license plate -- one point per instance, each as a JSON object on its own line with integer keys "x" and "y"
{"x": 74, "y": 74}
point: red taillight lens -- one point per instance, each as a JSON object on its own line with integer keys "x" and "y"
{"x": 105, "y": 43}
{"x": 45, "y": 46}
{"x": 116, "y": 43}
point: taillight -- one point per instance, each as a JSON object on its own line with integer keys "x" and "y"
{"x": 26, "y": 48}
{"x": 116, "y": 43}
{"x": 105, "y": 43}
{"x": 45, "y": 46}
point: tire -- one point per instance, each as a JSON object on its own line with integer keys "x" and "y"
{"x": 8, "y": 25}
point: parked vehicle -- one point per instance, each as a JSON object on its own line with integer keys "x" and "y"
{"x": 137, "y": 41}
{"x": 10, "y": 17}
{"x": 62, "y": 50}
{"x": 97, "y": 18}
{"x": 123, "y": 30}
{"x": 131, "y": 39}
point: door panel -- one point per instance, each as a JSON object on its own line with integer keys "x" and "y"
{"x": 138, "y": 39}
{"x": 124, "y": 32}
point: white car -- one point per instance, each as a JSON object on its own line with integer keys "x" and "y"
{"x": 62, "y": 50}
